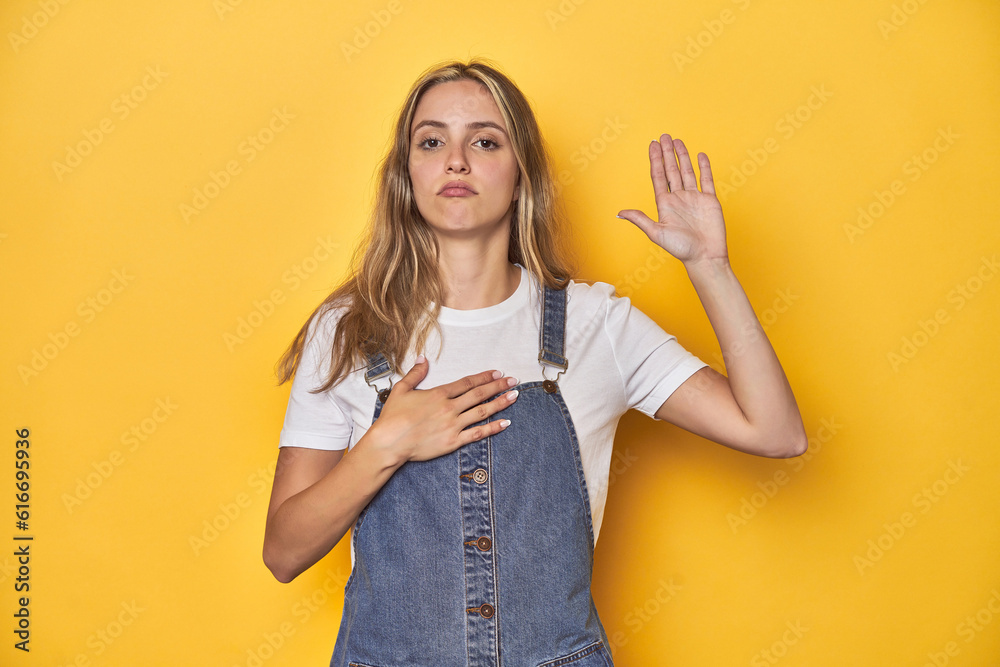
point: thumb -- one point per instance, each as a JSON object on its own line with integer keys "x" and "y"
{"x": 639, "y": 219}
{"x": 416, "y": 373}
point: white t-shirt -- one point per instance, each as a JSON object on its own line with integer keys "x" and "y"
{"x": 618, "y": 359}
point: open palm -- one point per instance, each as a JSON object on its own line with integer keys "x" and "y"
{"x": 690, "y": 225}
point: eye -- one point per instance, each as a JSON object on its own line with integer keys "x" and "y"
{"x": 488, "y": 140}
{"x": 431, "y": 142}
{"x": 423, "y": 144}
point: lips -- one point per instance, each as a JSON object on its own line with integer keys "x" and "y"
{"x": 457, "y": 188}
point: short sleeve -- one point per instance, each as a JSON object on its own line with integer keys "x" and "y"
{"x": 315, "y": 421}
{"x": 651, "y": 361}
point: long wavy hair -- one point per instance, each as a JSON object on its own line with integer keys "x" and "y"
{"x": 392, "y": 298}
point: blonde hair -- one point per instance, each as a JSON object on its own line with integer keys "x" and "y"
{"x": 393, "y": 296}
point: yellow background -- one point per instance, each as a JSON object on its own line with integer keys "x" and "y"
{"x": 819, "y": 569}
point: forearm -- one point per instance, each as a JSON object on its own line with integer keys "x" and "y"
{"x": 309, "y": 524}
{"x": 756, "y": 378}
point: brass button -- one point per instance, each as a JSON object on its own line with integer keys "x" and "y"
{"x": 383, "y": 395}
{"x": 479, "y": 476}
{"x": 484, "y": 543}
{"x": 549, "y": 386}
{"x": 487, "y": 610}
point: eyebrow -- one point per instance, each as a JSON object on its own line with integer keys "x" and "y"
{"x": 475, "y": 125}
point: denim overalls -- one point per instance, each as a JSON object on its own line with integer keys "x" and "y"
{"x": 481, "y": 557}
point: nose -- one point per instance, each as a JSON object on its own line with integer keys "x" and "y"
{"x": 456, "y": 160}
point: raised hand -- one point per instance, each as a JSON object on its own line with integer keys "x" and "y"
{"x": 421, "y": 424}
{"x": 690, "y": 225}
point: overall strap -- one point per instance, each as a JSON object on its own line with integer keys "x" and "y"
{"x": 552, "y": 332}
{"x": 378, "y": 368}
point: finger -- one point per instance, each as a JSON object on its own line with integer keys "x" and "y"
{"x": 674, "y": 179}
{"x": 657, "y": 171}
{"x": 483, "y": 411}
{"x": 688, "y": 179}
{"x": 469, "y": 382}
{"x": 481, "y": 431}
{"x": 468, "y": 401}
{"x": 639, "y": 219}
{"x": 415, "y": 376}
{"x": 707, "y": 182}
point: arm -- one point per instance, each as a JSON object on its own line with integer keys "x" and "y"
{"x": 318, "y": 494}
{"x": 753, "y": 410}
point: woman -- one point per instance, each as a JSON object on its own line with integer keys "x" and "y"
{"x": 476, "y": 499}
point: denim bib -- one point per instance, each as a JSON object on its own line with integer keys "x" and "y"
{"x": 481, "y": 557}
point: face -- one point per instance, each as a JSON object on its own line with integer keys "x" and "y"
{"x": 458, "y": 134}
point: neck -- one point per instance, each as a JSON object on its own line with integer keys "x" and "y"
{"x": 476, "y": 276}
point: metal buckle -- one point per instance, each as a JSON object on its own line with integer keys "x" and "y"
{"x": 383, "y": 394}
{"x": 550, "y": 386}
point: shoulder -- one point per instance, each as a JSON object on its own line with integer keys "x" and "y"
{"x": 320, "y": 334}
{"x": 318, "y": 343}
{"x": 326, "y": 317}
{"x": 619, "y": 317}
{"x": 593, "y": 297}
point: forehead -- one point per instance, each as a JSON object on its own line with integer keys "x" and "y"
{"x": 457, "y": 102}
